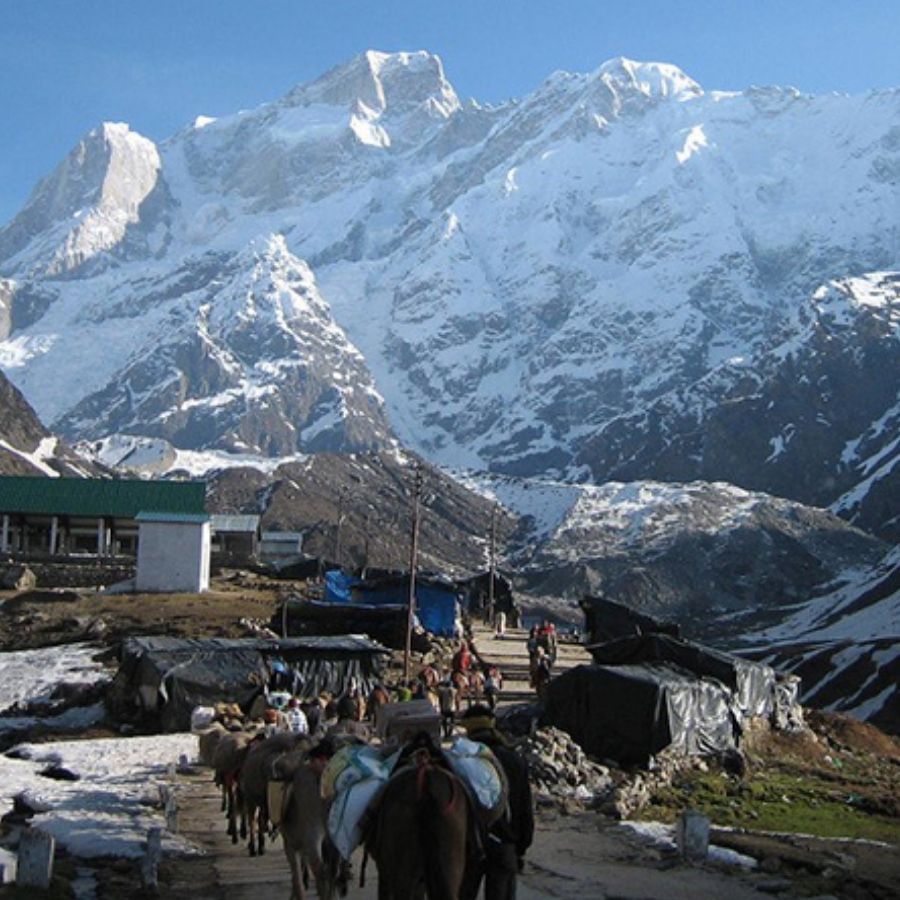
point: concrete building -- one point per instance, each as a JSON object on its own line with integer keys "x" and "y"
{"x": 280, "y": 546}
{"x": 173, "y": 553}
{"x": 235, "y": 539}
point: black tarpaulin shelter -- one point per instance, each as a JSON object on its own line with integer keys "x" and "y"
{"x": 605, "y": 620}
{"x": 386, "y": 624}
{"x": 630, "y": 713}
{"x": 478, "y": 590}
{"x": 304, "y": 569}
{"x": 752, "y": 684}
{"x": 164, "y": 678}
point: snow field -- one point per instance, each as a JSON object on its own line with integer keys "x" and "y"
{"x": 108, "y": 811}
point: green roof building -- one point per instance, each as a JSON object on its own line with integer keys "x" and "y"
{"x": 87, "y": 516}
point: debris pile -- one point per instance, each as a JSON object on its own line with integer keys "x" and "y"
{"x": 560, "y": 770}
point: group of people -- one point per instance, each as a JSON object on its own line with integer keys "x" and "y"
{"x": 473, "y": 678}
{"x": 321, "y": 716}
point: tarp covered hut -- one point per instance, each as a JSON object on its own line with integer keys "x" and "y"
{"x": 646, "y": 693}
{"x": 298, "y": 617}
{"x": 631, "y": 713}
{"x": 605, "y": 620}
{"x": 162, "y": 679}
{"x": 477, "y": 591}
{"x": 752, "y": 684}
{"x": 436, "y": 598}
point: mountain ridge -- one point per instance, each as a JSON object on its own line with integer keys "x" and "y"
{"x": 521, "y": 282}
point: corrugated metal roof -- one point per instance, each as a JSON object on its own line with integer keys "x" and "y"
{"x": 241, "y": 524}
{"x": 115, "y": 498}
{"x": 179, "y": 518}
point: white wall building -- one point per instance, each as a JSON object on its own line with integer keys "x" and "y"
{"x": 280, "y": 546}
{"x": 173, "y": 552}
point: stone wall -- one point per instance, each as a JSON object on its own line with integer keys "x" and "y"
{"x": 90, "y": 573}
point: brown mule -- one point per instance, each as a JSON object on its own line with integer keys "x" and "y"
{"x": 423, "y": 834}
{"x": 304, "y": 833}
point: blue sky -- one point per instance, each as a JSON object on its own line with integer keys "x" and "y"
{"x": 67, "y": 65}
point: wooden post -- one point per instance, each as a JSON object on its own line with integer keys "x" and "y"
{"x": 172, "y": 815}
{"x": 150, "y": 862}
{"x": 4, "y": 537}
{"x": 413, "y": 560}
{"x": 101, "y": 537}
{"x": 54, "y": 534}
{"x": 35, "y": 866}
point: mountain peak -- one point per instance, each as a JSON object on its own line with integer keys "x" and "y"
{"x": 653, "y": 79}
{"x": 90, "y": 199}
{"x": 383, "y": 81}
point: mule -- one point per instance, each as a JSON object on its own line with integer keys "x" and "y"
{"x": 421, "y": 839}
{"x": 304, "y": 835}
{"x": 228, "y": 759}
{"x": 207, "y": 741}
{"x": 253, "y": 782}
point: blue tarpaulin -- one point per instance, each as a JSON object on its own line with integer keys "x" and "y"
{"x": 436, "y": 608}
{"x": 435, "y": 602}
{"x": 337, "y": 586}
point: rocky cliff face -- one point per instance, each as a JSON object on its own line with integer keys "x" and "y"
{"x": 27, "y": 448}
{"x": 370, "y": 495}
{"x": 601, "y": 280}
{"x": 718, "y": 559}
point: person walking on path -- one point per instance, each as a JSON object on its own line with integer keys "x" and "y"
{"x": 493, "y": 684}
{"x": 509, "y": 838}
{"x": 297, "y": 723}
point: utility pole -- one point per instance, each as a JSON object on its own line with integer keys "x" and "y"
{"x": 340, "y": 522}
{"x": 413, "y": 562}
{"x": 367, "y": 542}
{"x": 492, "y": 563}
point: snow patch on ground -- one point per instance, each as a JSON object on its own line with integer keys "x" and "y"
{"x": 109, "y": 810}
{"x": 662, "y": 835}
{"x": 29, "y": 676}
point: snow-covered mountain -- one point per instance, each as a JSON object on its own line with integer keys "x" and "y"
{"x": 845, "y": 644}
{"x": 620, "y": 275}
{"x": 720, "y": 560}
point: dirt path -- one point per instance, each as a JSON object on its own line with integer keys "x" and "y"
{"x": 581, "y": 856}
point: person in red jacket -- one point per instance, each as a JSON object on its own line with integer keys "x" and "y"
{"x": 462, "y": 659}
